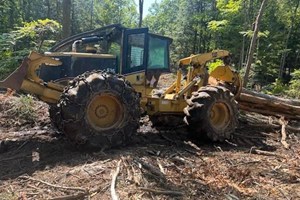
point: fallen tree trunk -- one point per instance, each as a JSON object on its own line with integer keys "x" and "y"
{"x": 269, "y": 105}
{"x": 269, "y": 97}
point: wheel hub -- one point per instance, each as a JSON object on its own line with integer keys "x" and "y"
{"x": 105, "y": 111}
{"x": 101, "y": 111}
{"x": 219, "y": 116}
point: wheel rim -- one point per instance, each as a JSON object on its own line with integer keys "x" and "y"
{"x": 219, "y": 116}
{"x": 105, "y": 112}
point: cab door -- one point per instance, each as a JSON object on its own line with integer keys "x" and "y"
{"x": 135, "y": 51}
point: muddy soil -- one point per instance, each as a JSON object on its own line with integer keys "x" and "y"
{"x": 37, "y": 162}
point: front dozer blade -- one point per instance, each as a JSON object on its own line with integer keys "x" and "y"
{"x": 25, "y": 78}
{"x": 15, "y": 79}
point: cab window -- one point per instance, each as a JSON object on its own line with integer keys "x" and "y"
{"x": 135, "y": 50}
{"x": 158, "y": 53}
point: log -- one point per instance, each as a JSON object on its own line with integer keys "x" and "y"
{"x": 265, "y": 110}
{"x": 268, "y": 102}
{"x": 269, "y": 105}
{"x": 270, "y": 97}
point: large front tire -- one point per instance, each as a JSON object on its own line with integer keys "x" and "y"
{"x": 99, "y": 109}
{"x": 212, "y": 111}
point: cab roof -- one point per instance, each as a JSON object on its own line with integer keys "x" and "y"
{"x": 110, "y": 31}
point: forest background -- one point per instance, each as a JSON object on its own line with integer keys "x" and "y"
{"x": 196, "y": 26}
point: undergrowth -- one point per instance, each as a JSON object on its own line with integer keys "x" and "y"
{"x": 294, "y": 87}
{"x": 22, "y": 108}
{"x": 290, "y": 90}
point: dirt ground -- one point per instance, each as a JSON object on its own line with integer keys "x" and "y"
{"x": 37, "y": 162}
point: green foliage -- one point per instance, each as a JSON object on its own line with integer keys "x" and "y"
{"x": 217, "y": 26}
{"x": 37, "y": 33}
{"x": 9, "y": 58}
{"x": 121, "y": 11}
{"x": 278, "y": 87}
{"x": 213, "y": 65}
{"x": 196, "y": 26}
{"x": 23, "y": 108}
{"x": 292, "y": 89}
{"x": 249, "y": 33}
{"x": 88, "y": 15}
{"x": 229, "y": 6}
{"x": 15, "y": 45}
{"x": 39, "y": 28}
{"x": 294, "y": 85}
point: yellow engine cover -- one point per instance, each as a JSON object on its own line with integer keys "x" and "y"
{"x": 223, "y": 73}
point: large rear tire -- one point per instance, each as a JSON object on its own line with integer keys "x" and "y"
{"x": 212, "y": 111}
{"x": 99, "y": 109}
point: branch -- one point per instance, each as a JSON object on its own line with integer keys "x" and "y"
{"x": 265, "y": 153}
{"x": 283, "y": 133}
{"x": 71, "y": 197}
{"x": 54, "y": 186}
{"x": 164, "y": 192}
{"x": 114, "y": 195}
{"x": 151, "y": 168}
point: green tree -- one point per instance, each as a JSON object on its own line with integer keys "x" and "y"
{"x": 196, "y": 26}
{"x": 14, "y": 46}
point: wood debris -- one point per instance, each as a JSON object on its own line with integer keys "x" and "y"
{"x": 254, "y": 164}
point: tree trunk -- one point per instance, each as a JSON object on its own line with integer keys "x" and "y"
{"x": 253, "y": 42}
{"x": 48, "y": 9}
{"x": 66, "y": 23}
{"x": 141, "y": 6}
{"x": 73, "y": 20}
{"x": 242, "y": 55}
{"x": 92, "y": 13}
{"x": 285, "y": 53}
{"x": 268, "y": 105}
